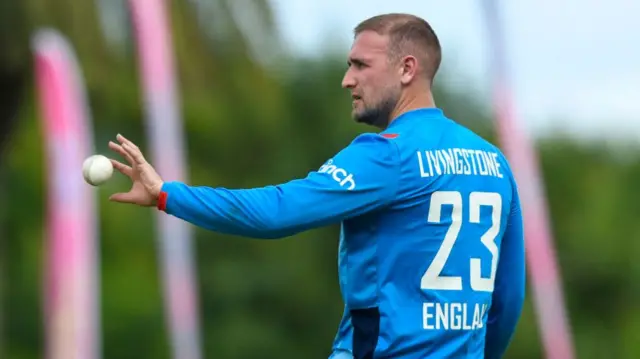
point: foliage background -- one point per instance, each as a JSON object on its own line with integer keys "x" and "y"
{"x": 255, "y": 115}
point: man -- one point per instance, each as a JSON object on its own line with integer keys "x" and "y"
{"x": 431, "y": 256}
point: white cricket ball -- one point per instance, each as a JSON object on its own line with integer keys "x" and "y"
{"x": 97, "y": 170}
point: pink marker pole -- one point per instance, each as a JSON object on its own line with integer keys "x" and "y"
{"x": 71, "y": 278}
{"x": 518, "y": 147}
{"x": 164, "y": 126}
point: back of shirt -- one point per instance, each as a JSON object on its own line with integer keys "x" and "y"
{"x": 436, "y": 249}
{"x": 431, "y": 259}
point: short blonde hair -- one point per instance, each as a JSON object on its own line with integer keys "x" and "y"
{"x": 408, "y": 35}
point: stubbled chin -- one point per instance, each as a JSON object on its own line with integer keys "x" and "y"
{"x": 358, "y": 115}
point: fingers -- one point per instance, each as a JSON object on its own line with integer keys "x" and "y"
{"x": 135, "y": 153}
{"x": 121, "y": 139}
{"x": 124, "y": 169}
{"x": 118, "y": 149}
{"x": 131, "y": 197}
{"x": 132, "y": 150}
{"x": 123, "y": 198}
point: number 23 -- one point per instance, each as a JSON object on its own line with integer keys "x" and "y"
{"x": 432, "y": 278}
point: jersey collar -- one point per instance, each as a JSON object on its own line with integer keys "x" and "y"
{"x": 430, "y": 112}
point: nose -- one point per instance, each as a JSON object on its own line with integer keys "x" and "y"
{"x": 348, "y": 81}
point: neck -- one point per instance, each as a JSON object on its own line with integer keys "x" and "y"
{"x": 412, "y": 102}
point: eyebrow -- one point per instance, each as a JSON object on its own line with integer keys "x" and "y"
{"x": 355, "y": 61}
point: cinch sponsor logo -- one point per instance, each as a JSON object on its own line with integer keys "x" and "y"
{"x": 338, "y": 174}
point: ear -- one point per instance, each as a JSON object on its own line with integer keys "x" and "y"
{"x": 408, "y": 69}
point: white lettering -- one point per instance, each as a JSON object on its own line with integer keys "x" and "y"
{"x": 457, "y": 153}
{"x": 423, "y": 173}
{"x": 496, "y": 163}
{"x": 426, "y": 315}
{"x": 449, "y": 163}
{"x": 442, "y": 316}
{"x": 482, "y": 166}
{"x": 432, "y": 159}
{"x": 453, "y": 316}
{"x": 339, "y": 175}
{"x": 458, "y": 161}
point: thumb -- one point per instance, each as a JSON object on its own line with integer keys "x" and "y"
{"x": 123, "y": 198}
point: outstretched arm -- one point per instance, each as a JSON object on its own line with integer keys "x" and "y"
{"x": 508, "y": 295}
{"x": 360, "y": 178}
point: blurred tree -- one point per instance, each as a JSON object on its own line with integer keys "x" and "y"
{"x": 13, "y": 78}
{"x": 13, "y": 65}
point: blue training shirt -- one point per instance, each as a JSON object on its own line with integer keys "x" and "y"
{"x": 431, "y": 258}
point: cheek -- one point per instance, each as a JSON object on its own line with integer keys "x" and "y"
{"x": 378, "y": 90}
{"x": 371, "y": 87}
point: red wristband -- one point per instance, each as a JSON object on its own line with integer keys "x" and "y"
{"x": 162, "y": 201}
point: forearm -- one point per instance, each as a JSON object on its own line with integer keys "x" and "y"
{"x": 249, "y": 213}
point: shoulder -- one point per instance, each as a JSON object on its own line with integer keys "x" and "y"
{"x": 502, "y": 157}
{"x": 370, "y": 137}
{"x": 371, "y": 146}
{"x": 375, "y": 141}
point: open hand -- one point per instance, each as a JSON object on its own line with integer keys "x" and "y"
{"x": 146, "y": 183}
